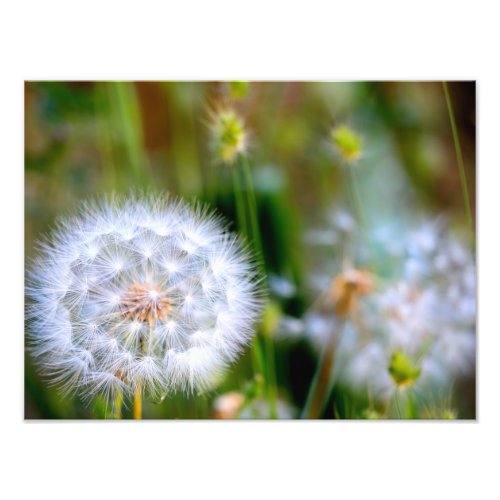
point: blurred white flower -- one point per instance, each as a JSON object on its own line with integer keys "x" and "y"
{"x": 233, "y": 405}
{"x": 424, "y": 306}
{"x": 259, "y": 409}
{"x": 140, "y": 293}
{"x": 281, "y": 286}
{"x": 228, "y": 405}
{"x": 340, "y": 227}
{"x": 409, "y": 315}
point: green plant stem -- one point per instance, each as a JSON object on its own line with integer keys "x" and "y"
{"x": 356, "y": 195}
{"x": 396, "y": 400}
{"x": 321, "y": 385}
{"x": 118, "y": 405}
{"x": 258, "y": 364}
{"x": 256, "y": 238}
{"x": 271, "y": 376}
{"x": 125, "y": 137}
{"x": 241, "y": 215}
{"x": 104, "y": 138}
{"x": 247, "y": 214}
{"x": 460, "y": 161}
{"x": 252, "y": 210}
{"x": 411, "y": 410}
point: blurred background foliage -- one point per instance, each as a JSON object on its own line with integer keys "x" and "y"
{"x": 88, "y": 138}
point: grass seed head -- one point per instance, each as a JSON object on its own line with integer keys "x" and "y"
{"x": 347, "y": 142}
{"x": 229, "y": 137}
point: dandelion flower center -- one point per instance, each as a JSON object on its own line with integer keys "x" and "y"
{"x": 145, "y": 303}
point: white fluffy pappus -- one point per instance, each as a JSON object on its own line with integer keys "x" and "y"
{"x": 424, "y": 304}
{"x": 140, "y": 293}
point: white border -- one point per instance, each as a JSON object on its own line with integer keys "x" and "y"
{"x": 254, "y": 40}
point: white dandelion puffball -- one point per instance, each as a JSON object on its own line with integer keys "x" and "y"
{"x": 140, "y": 294}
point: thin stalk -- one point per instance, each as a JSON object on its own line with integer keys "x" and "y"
{"x": 460, "y": 161}
{"x": 105, "y": 141}
{"x": 118, "y": 405}
{"x": 356, "y": 195}
{"x": 246, "y": 208}
{"x": 410, "y": 410}
{"x": 396, "y": 400}
{"x": 252, "y": 208}
{"x": 138, "y": 404}
{"x": 258, "y": 364}
{"x": 128, "y": 121}
{"x": 256, "y": 238}
{"x": 321, "y": 384}
{"x": 241, "y": 215}
{"x": 272, "y": 391}
{"x": 272, "y": 388}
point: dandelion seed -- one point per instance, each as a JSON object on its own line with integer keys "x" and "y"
{"x": 127, "y": 297}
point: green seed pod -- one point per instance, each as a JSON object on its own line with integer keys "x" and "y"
{"x": 402, "y": 369}
{"x": 238, "y": 89}
{"x": 347, "y": 142}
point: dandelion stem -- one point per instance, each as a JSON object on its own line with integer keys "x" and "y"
{"x": 321, "y": 384}
{"x": 138, "y": 404}
{"x": 460, "y": 161}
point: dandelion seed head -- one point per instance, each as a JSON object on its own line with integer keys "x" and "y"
{"x": 140, "y": 292}
{"x": 419, "y": 319}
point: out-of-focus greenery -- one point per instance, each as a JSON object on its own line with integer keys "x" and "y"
{"x": 83, "y": 139}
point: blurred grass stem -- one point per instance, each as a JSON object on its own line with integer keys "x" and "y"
{"x": 247, "y": 215}
{"x": 396, "y": 401}
{"x": 129, "y": 114}
{"x": 460, "y": 161}
{"x": 252, "y": 210}
{"x": 118, "y": 406}
{"x": 321, "y": 384}
{"x": 240, "y": 202}
{"x": 358, "y": 204}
